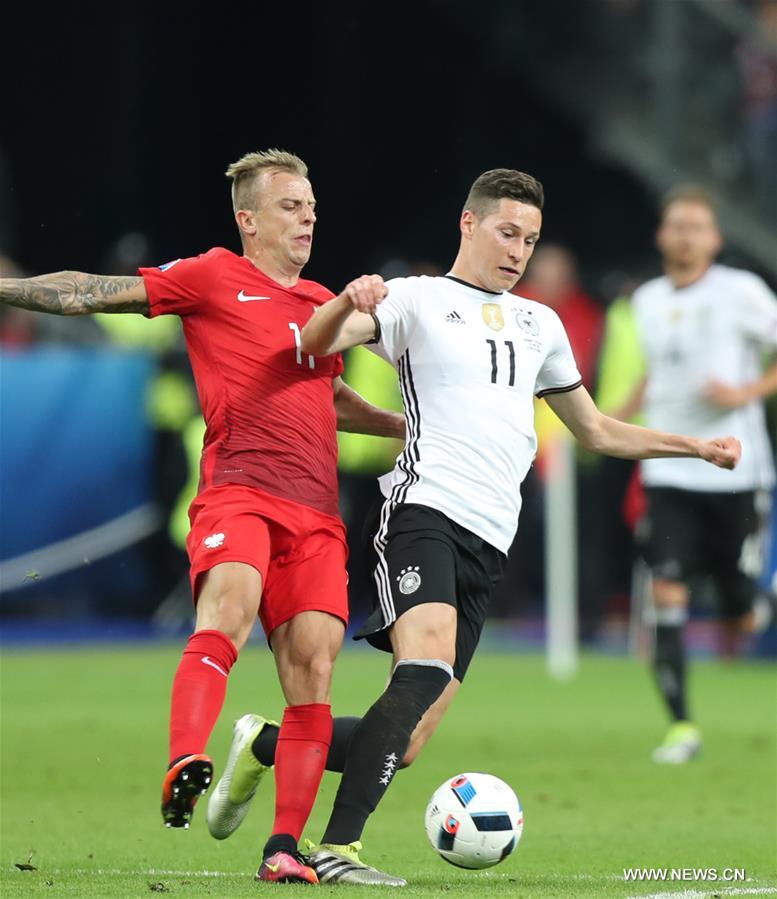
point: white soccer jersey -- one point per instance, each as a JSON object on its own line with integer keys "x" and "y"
{"x": 716, "y": 328}
{"x": 470, "y": 363}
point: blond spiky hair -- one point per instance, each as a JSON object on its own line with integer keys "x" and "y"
{"x": 246, "y": 171}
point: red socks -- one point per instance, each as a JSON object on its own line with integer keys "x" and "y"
{"x": 300, "y": 757}
{"x": 199, "y": 688}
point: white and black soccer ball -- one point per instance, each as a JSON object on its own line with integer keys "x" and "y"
{"x": 474, "y": 820}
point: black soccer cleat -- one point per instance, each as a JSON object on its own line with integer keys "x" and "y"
{"x": 183, "y": 785}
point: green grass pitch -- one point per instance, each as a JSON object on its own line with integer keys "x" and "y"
{"x": 83, "y": 752}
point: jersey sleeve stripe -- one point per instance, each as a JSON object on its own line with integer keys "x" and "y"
{"x": 378, "y": 331}
{"x": 560, "y": 389}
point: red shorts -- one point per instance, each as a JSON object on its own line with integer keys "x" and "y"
{"x": 299, "y": 551}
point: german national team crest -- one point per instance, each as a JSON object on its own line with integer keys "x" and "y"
{"x": 492, "y": 316}
{"x": 409, "y": 579}
{"x": 527, "y": 322}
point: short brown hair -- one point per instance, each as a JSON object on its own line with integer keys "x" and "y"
{"x": 497, "y": 184}
{"x": 246, "y": 171}
{"x": 686, "y": 193}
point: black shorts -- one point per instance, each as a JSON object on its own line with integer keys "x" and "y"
{"x": 419, "y": 555}
{"x": 692, "y": 533}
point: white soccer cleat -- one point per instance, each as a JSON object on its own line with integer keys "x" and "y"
{"x": 681, "y": 743}
{"x": 230, "y": 800}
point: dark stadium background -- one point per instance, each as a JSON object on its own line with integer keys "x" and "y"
{"x": 119, "y": 118}
{"x": 122, "y": 117}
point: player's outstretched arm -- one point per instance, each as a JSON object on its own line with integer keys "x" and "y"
{"x": 357, "y": 416}
{"x": 346, "y": 320}
{"x": 602, "y": 434}
{"x": 75, "y": 293}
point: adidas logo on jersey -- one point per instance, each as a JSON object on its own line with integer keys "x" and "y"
{"x": 454, "y": 318}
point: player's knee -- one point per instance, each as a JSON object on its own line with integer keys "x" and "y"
{"x": 440, "y": 645}
{"x": 669, "y": 593}
{"x": 319, "y": 671}
{"x": 312, "y": 669}
{"x": 229, "y": 611}
{"x": 229, "y": 599}
{"x": 430, "y": 642}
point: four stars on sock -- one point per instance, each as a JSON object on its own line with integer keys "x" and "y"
{"x": 389, "y": 769}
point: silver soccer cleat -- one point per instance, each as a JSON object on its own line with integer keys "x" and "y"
{"x": 341, "y": 864}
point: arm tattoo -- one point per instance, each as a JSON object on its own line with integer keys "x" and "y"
{"x": 75, "y": 293}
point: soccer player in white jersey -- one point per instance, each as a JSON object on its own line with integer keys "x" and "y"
{"x": 706, "y": 330}
{"x": 471, "y": 358}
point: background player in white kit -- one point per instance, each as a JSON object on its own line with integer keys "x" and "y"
{"x": 471, "y": 357}
{"x": 705, "y": 329}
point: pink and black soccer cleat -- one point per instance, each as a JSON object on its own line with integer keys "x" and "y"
{"x": 183, "y": 785}
{"x": 286, "y": 868}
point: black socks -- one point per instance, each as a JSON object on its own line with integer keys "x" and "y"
{"x": 264, "y": 745}
{"x": 379, "y": 743}
{"x": 280, "y": 842}
{"x": 669, "y": 666}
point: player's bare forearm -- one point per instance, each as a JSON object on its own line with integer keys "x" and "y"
{"x": 335, "y": 327}
{"x": 75, "y": 293}
{"x": 617, "y": 438}
{"x": 320, "y": 335}
{"x": 610, "y": 437}
{"x": 356, "y": 416}
{"x": 626, "y": 441}
{"x": 346, "y": 320}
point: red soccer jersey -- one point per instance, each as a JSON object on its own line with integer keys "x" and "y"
{"x": 268, "y": 407}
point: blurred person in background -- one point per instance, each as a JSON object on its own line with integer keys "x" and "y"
{"x": 552, "y": 278}
{"x": 266, "y": 537}
{"x": 704, "y": 329}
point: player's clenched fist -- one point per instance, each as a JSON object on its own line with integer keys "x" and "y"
{"x": 366, "y": 292}
{"x": 724, "y": 452}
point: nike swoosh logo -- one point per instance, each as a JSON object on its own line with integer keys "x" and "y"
{"x": 244, "y": 298}
{"x": 273, "y": 868}
{"x": 207, "y": 660}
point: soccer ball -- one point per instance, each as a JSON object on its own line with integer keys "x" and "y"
{"x": 474, "y": 820}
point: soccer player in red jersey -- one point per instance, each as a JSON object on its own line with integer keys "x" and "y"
{"x": 266, "y": 536}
